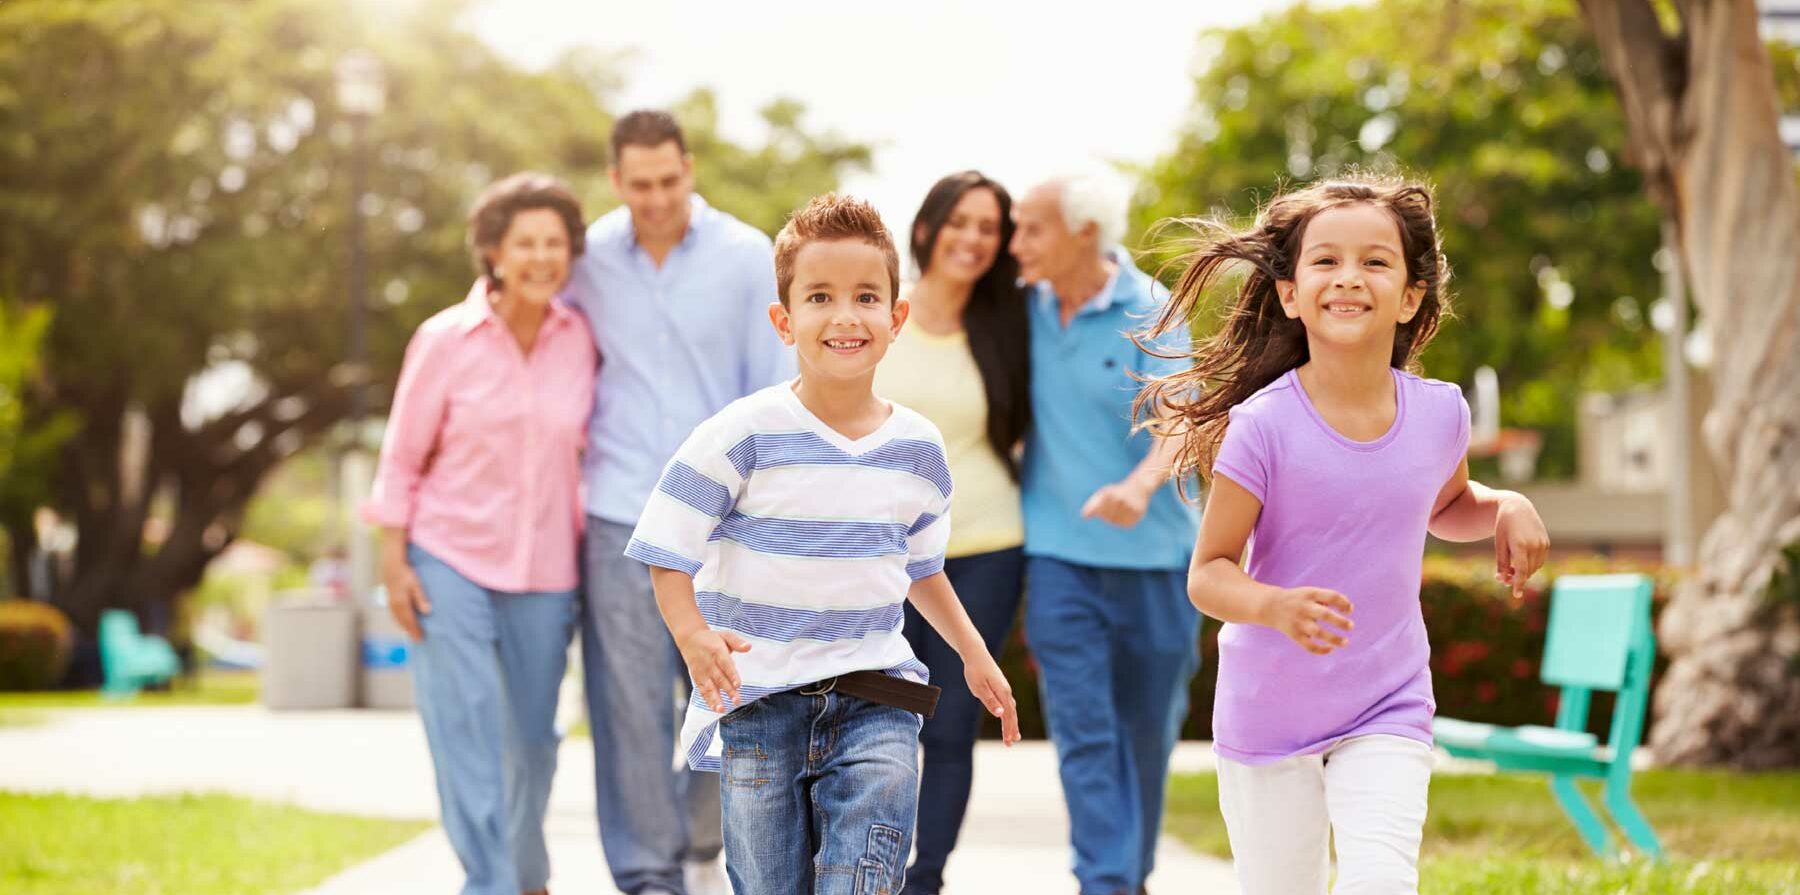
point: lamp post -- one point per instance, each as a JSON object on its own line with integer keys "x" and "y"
{"x": 361, "y": 95}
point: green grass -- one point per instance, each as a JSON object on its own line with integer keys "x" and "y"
{"x": 205, "y": 688}
{"x": 1724, "y": 833}
{"x": 192, "y": 845}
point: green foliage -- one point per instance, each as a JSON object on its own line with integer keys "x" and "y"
{"x": 1504, "y": 105}
{"x": 35, "y": 645}
{"x": 1784, "y": 582}
{"x": 1726, "y": 833}
{"x": 192, "y": 844}
{"x": 176, "y": 183}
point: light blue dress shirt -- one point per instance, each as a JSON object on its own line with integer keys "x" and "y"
{"x": 677, "y": 344}
{"x": 1082, "y": 387}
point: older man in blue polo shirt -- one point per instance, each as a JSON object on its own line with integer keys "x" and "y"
{"x": 677, "y": 295}
{"x": 1107, "y": 538}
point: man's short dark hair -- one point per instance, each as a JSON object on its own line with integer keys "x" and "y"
{"x": 649, "y": 128}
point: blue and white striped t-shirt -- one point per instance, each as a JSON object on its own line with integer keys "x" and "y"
{"x": 801, "y": 541}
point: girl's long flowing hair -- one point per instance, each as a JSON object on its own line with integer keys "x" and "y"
{"x": 1256, "y": 343}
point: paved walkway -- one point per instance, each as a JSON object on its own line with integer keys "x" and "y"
{"x": 376, "y": 763}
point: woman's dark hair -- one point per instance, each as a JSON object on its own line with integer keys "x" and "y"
{"x": 497, "y": 205}
{"x": 1257, "y": 343}
{"x": 999, "y": 333}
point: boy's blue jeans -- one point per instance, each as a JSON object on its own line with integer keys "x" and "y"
{"x": 1115, "y": 650}
{"x": 819, "y": 794}
{"x": 485, "y": 678}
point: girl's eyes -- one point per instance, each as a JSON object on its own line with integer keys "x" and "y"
{"x": 1378, "y": 262}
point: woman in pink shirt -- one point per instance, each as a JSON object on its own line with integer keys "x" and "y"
{"x": 478, "y": 499}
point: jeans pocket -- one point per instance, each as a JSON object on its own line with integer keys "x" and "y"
{"x": 879, "y": 870}
{"x": 743, "y": 767}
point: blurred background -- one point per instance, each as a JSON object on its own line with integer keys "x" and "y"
{"x": 220, "y": 221}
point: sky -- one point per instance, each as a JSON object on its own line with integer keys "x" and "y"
{"x": 1022, "y": 91}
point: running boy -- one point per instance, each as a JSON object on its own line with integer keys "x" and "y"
{"x": 782, "y": 539}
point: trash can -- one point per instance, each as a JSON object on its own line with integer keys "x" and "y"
{"x": 386, "y": 681}
{"x": 312, "y": 654}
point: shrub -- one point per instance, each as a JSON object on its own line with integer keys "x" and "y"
{"x": 1485, "y": 649}
{"x": 35, "y": 644}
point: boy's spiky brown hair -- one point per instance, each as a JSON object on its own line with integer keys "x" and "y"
{"x": 831, "y": 217}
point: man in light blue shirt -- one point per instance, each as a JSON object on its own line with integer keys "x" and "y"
{"x": 1107, "y": 539}
{"x": 677, "y": 295}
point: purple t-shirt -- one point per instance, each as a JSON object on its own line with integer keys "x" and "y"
{"x": 1349, "y": 516}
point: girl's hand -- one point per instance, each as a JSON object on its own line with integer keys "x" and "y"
{"x": 1303, "y": 614}
{"x": 708, "y": 657}
{"x": 406, "y": 599}
{"x": 994, "y": 692}
{"x": 1520, "y": 543}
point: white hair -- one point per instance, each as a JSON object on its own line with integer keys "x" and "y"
{"x": 1094, "y": 197}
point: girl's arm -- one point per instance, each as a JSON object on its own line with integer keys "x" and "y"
{"x": 1219, "y": 587}
{"x": 1467, "y": 510}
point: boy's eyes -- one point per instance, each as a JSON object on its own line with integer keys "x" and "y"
{"x": 868, "y": 298}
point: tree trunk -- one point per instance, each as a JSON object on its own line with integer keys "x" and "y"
{"x": 208, "y": 477}
{"x": 1701, "y": 109}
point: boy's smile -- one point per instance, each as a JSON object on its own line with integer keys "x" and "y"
{"x": 841, "y": 314}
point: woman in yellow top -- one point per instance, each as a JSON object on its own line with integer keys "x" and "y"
{"x": 963, "y": 362}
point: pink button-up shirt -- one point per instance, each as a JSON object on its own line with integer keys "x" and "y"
{"x": 481, "y": 464}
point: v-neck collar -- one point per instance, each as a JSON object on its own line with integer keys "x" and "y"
{"x": 853, "y": 447}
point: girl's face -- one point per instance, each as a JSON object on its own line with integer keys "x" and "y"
{"x": 969, "y": 240}
{"x": 532, "y": 258}
{"x": 1350, "y": 287}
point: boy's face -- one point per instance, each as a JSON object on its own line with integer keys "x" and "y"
{"x": 841, "y": 313}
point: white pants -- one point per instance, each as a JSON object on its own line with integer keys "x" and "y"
{"x": 1367, "y": 791}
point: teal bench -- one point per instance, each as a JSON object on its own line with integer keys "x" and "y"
{"x": 1599, "y": 638}
{"x": 131, "y": 659}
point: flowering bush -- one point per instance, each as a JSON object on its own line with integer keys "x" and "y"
{"x": 1485, "y": 648}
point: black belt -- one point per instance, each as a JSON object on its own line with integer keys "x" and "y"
{"x": 885, "y": 689}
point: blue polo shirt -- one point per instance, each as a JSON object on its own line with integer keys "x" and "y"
{"x": 1082, "y": 387}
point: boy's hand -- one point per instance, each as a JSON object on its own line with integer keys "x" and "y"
{"x": 1520, "y": 543}
{"x": 708, "y": 657}
{"x": 1304, "y": 614}
{"x": 992, "y": 689}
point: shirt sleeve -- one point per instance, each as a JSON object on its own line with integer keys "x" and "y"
{"x": 697, "y": 489}
{"x": 1244, "y": 456}
{"x": 1464, "y": 431}
{"x": 414, "y": 422}
{"x": 766, "y": 361}
{"x": 929, "y": 533}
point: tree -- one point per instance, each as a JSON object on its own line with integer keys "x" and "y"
{"x": 1504, "y": 105}
{"x": 173, "y": 183}
{"x": 1700, "y": 98}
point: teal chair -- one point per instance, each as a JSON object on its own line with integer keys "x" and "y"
{"x": 132, "y": 659}
{"x": 1599, "y": 639}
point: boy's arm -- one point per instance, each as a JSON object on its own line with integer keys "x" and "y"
{"x": 936, "y": 601}
{"x": 706, "y": 652}
{"x": 1466, "y": 510}
{"x": 1219, "y": 587}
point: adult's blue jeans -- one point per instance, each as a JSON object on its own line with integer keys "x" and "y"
{"x": 819, "y": 794}
{"x": 1115, "y": 650}
{"x": 989, "y": 585}
{"x": 485, "y": 678}
{"x": 653, "y": 815}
